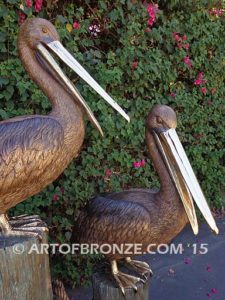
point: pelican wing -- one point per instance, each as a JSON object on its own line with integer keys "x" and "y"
{"x": 28, "y": 146}
{"x": 112, "y": 221}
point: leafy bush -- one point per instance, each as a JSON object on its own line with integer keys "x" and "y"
{"x": 141, "y": 55}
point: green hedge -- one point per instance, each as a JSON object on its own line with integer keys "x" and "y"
{"x": 139, "y": 65}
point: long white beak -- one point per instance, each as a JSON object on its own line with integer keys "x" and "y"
{"x": 184, "y": 178}
{"x": 59, "y": 50}
{"x": 55, "y": 69}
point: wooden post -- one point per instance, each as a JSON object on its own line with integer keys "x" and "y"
{"x": 24, "y": 276}
{"x": 104, "y": 287}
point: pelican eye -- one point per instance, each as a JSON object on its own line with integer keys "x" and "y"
{"x": 44, "y": 30}
{"x": 159, "y": 120}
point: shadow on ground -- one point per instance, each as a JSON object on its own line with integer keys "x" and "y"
{"x": 187, "y": 276}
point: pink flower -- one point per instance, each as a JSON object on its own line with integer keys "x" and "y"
{"x": 108, "y": 173}
{"x": 186, "y": 46}
{"x": 38, "y": 5}
{"x": 22, "y": 18}
{"x": 217, "y": 12}
{"x": 208, "y": 295}
{"x": 187, "y": 261}
{"x": 134, "y": 65}
{"x": 176, "y": 37}
{"x": 197, "y": 82}
{"x": 147, "y": 29}
{"x": 200, "y": 75}
{"x": 150, "y": 22}
{"x": 173, "y": 95}
{"x": 136, "y": 164}
{"x": 204, "y": 90}
{"x": 179, "y": 45}
{"x": 28, "y": 3}
{"x": 142, "y": 163}
{"x": 187, "y": 61}
{"x": 76, "y": 25}
{"x": 214, "y": 291}
{"x": 199, "y": 79}
{"x": 55, "y": 197}
{"x": 62, "y": 191}
{"x": 179, "y": 39}
{"x": 152, "y": 11}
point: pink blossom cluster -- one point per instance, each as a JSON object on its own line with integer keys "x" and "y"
{"x": 139, "y": 164}
{"x": 187, "y": 61}
{"x": 204, "y": 90}
{"x": 199, "y": 81}
{"x": 38, "y": 5}
{"x": 55, "y": 197}
{"x": 152, "y": 11}
{"x": 22, "y": 17}
{"x": 217, "y": 12}
{"x": 76, "y": 25}
{"x": 181, "y": 41}
{"x": 28, "y": 3}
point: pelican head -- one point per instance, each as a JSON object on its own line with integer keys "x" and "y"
{"x": 41, "y": 36}
{"x": 162, "y": 122}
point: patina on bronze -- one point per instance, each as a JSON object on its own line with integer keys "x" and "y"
{"x": 34, "y": 150}
{"x": 141, "y": 216}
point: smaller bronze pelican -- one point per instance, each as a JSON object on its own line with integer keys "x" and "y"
{"x": 35, "y": 149}
{"x": 141, "y": 216}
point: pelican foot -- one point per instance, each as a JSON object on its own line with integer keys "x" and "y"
{"x": 25, "y": 217}
{"x": 25, "y": 220}
{"x": 123, "y": 280}
{"x": 27, "y": 232}
{"x": 140, "y": 267}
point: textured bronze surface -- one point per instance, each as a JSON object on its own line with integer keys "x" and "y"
{"x": 34, "y": 150}
{"x": 137, "y": 216}
{"x": 143, "y": 218}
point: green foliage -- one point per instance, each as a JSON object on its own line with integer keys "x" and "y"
{"x": 109, "y": 56}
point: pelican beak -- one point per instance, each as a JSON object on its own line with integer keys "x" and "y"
{"x": 184, "y": 178}
{"x": 57, "y": 48}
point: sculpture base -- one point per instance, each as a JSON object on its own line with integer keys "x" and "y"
{"x": 24, "y": 274}
{"x": 105, "y": 288}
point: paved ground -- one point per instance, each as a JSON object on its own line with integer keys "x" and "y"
{"x": 186, "y": 276}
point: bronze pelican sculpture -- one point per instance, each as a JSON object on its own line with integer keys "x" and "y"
{"x": 141, "y": 216}
{"x": 35, "y": 149}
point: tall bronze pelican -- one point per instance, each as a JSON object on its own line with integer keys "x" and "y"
{"x": 147, "y": 217}
{"x": 35, "y": 149}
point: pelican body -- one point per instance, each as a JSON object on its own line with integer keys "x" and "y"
{"x": 141, "y": 216}
{"x": 35, "y": 149}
